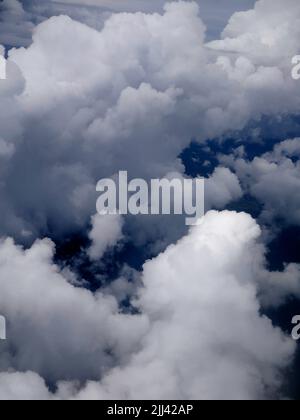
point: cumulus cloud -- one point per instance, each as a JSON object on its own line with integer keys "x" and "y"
{"x": 199, "y": 332}
{"x": 212, "y": 11}
{"x": 56, "y": 329}
{"x": 94, "y": 12}
{"x": 277, "y": 288}
{"x": 157, "y": 232}
{"x": 19, "y": 17}
{"x": 16, "y": 25}
{"x": 106, "y": 232}
{"x": 129, "y": 96}
{"x": 263, "y": 33}
{"x": 222, "y": 188}
{"x": 189, "y": 328}
{"x": 26, "y": 386}
{"x": 274, "y": 180}
{"x": 83, "y": 102}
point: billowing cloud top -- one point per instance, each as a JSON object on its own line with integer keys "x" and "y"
{"x": 90, "y": 102}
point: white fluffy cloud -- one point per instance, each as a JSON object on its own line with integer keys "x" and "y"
{"x": 199, "y": 334}
{"x": 277, "y": 288}
{"x": 26, "y": 386}
{"x": 82, "y": 103}
{"x": 274, "y": 180}
{"x": 106, "y": 233}
{"x": 15, "y": 24}
{"x": 213, "y": 11}
{"x": 268, "y": 34}
{"x": 57, "y": 330}
{"x": 222, "y": 188}
{"x": 130, "y": 96}
{"x": 18, "y": 17}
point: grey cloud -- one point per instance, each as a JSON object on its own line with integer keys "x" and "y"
{"x": 20, "y": 16}
{"x": 199, "y": 298}
{"x": 131, "y": 97}
{"x": 16, "y": 24}
{"x": 274, "y": 180}
{"x": 81, "y": 103}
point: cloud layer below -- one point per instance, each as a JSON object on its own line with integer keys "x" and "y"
{"x": 199, "y": 333}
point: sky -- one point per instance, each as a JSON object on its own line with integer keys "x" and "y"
{"x": 214, "y": 13}
{"x": 144, "y": 307}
